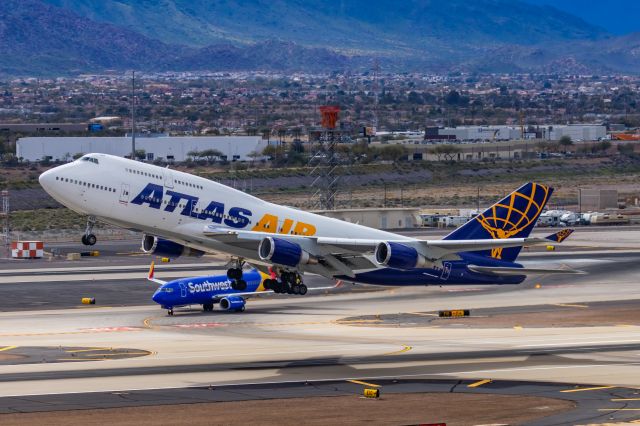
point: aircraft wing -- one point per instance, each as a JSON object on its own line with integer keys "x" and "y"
{"x": 255, "y": 293}
{"x": 506, "y": 271}
{"x": 344, "y": 256}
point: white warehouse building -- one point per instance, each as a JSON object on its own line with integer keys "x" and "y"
{"x": 472, "y": 133}
{"x": 577, "y": 132}
{"x": 167, "y": 148}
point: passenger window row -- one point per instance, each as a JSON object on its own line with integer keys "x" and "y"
{"x": 138, "y": 172}
{"x": 87, "y": 184}
{"x": 192, "y": 185}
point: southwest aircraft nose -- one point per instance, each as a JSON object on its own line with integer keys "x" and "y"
{"x": 158, "y": 297}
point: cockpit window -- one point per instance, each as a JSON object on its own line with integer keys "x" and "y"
{"x": 88, "y": 158}
{"x": 167, "y": 290}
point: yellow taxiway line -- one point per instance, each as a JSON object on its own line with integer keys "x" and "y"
{"x": 588, "y": 389}
{"x": 479, "y": 383}
{"x": 7, "y": 348}
{"x": 570, "y": 305}
{"x": 405, "y": 348}
{"x": 359, "y": 382}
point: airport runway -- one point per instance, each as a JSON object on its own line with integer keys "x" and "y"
{"x": 557, "y": 333}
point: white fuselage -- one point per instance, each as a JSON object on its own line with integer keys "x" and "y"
{"x": 178, "y": 206}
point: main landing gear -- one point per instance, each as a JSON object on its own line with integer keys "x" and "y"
{"x": 88, "y": 239}
{"x": 170, "y": 312}
{"x": 289, "y": 282}
{"x": 235, "y": 275}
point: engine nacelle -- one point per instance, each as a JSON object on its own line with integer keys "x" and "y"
{"x": 283, "y": 252}
{"x": 232, "y": 303}
{"x": 399, "y": 256}
{"x": 167, "y": 248}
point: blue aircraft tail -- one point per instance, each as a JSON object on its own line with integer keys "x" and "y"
{"x": 512, "y": 217}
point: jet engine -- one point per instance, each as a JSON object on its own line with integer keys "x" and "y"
{"x": 283, "y": 252}
{"x": 232, "y": 303}
{"x": 399, "y": 256}
{"x": 167, "y": 248}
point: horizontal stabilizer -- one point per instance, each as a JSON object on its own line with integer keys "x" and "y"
{"x": 560, "y": 236}
{"x": 507, "y": 271}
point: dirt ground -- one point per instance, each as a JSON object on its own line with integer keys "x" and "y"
{"x": 452, "y": 409}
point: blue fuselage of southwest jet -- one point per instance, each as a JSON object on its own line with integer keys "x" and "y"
{"x": 203, "y": 290}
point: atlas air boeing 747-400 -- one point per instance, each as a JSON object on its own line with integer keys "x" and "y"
{"x": 185, "y": 215}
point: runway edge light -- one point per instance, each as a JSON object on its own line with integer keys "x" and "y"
{"x": 88, "y": 300}
{"x": 372, "y": 393}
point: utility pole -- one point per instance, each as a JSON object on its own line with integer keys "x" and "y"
{"x": 133, "y": 115}
{"x": 4, "y": 214}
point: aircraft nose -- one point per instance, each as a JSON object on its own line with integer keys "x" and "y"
{"x": 46, "y": 179}
{"x": 158, "y": 297}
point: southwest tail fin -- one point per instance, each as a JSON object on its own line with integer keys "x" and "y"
{"x": 512, "y": 217}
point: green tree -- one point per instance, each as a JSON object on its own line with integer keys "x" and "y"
{"x": 393, "y": 152}
{"x": 565, "y": 142}
{"x": 211, "y": 155}
{"x": 194, "y": 154}
{"x": 449, "y": 152}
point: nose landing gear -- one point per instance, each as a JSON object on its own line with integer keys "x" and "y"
{"x": 89, "y": 239}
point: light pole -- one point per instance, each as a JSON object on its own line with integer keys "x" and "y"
{"x": 133, "y": 115}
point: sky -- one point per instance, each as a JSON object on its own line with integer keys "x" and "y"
{"x": 616, "y": 16}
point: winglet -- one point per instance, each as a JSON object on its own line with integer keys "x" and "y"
{"x": 560, "y": 236}
{"x": 151, "y": 271}
{"x": 151, "y": 275}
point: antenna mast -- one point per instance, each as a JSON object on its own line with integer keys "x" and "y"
{"x": 133, "y": 115}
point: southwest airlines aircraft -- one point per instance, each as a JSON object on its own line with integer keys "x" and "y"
{"x": 185, "y": 215}
{"x": 209, "y": 290}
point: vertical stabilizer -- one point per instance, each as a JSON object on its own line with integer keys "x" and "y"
{"x": 512, "y": 217}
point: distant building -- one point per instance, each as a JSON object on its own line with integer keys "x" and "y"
{"x": 593, "y": 200}
{"x": 577, "y": 132}
{"x": 167, "y": 148}
{"x": 379, "y": 218}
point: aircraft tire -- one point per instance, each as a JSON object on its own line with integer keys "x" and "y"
{"x": 234, "y": 273}
{"x": 84, "y": 240}
{"x": 302, "y": 290}
{"x": 91, "y": 239}
{"x": 295, "y": 289}
{"x": 241, "y": 285}
{"x": 267, "y": 284}
{"x": 207, "y": 307}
